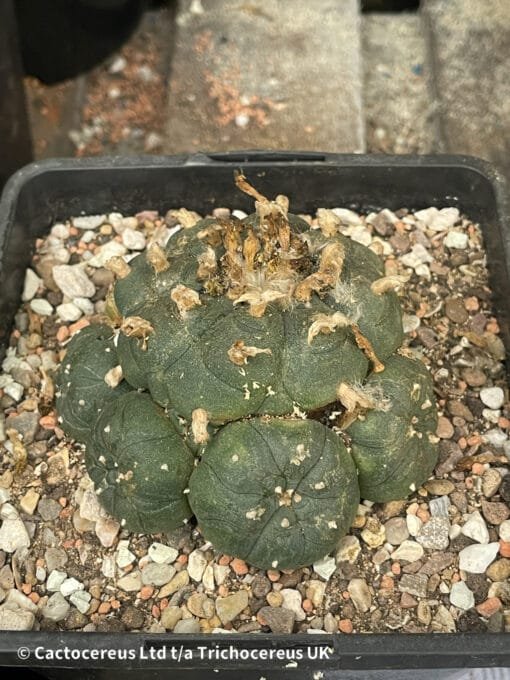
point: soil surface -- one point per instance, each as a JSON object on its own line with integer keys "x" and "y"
{"x": 438, "y": 561}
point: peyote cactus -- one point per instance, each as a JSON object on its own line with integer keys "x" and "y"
{"x": 242, "y": 338}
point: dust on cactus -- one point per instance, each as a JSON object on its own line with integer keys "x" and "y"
{"x": 241, "y": 340}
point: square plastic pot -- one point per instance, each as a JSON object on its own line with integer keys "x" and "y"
{"x": 42, "y": 193}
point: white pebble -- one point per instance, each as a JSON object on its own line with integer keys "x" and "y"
{"x": 124, "y": 556}
{"x": 61, "y": 231}
{"x": 476, "y": 528}
{"x": 325, "y": 567}
{"x": 414, "y": 524}
{"x": 292, "y": 600}
{"x": 31, "y": 285}
{"x": 132, "y": 239}
{"x": 105, "y": 253}
{"x": 89, "y": 221}
{"x": 409, "y": 551}
{"x": 55, "y": 579}
{"x": 438, "y": 220}
{"x": 70, "y": 586}
{"x": 362, "y": 235}
{"x": 13, "y": 389}
{"x": 196, "y": 565}
{"x": 83, "y": 303}
{"x": 41, "y": 307}
{"x": 504, "y": 531}
{"x": 13, "y": 533}
{"x": 240, "y": 214}
{"x": 242, "y": 120}
{"x": 88, "y": 236}
{"x": 67, "y": 311}
{"x": 476, "y": 558}
{"x": 73, "y": 281}
{"x": 495, "y": 437}
{"x": 493, "y": 397}
{"x": 461, "y": 596}
{"x": 456, "y": 239}
{"x": 162, "y": 554}
{"x": 347, "y": 217}
{"x": 81, "y": 600}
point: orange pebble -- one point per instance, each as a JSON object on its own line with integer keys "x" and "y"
{"x": 224, "y": 560}
{"x": 146, "y": 592}
{"x": 345, "y": 626}
{"x": 462, "y": 443}
{"x": 474, "y": 440}
{"x": 115, "y": 604}
{"x": 387, "y": 582}
{"x": 504, "y": 423}
{"x": 69, "y": 543}
{"x": 239, "y": 566}
{"x": 477, "y": 468}
{"x": 78, "y": 325}
{"x": 48, "y": 422}
{"x": 346, "y": 595}
{"x": 26, "y": 588}
{"x": 35, "y": 597}
{"x": 78, "y": 543}
{"x": 423, "y": 514}
{"x": 471, "y": 304}
{"x": 65, "y": 513}
{"x": 307, "y": 605}
{"x": 222, "y": 590}
{"x": 504, "y": 548}
{"x": 73, "y": 231}
{"x": 62, "y": 501}
{"x": 104, "y": 608}
{"x": 163, "y": 603}
{"x": 182, "y": 559}
{"x": 273, "y": 575}
{"x": 489, "y": 607}
{"x": 155, "y": 611}
{"x": 395, "y": 568}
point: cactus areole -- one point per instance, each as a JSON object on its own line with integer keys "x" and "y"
{"x": 250, "y": 373}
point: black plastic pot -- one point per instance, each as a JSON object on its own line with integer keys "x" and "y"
{"x": 45, "y": 192}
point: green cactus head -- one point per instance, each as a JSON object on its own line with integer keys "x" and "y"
{"x": 245, "y": 330}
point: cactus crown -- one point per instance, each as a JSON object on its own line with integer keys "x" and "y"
{"x": 238, "y": 329}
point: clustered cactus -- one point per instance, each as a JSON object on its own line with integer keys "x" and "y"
{"x": 206, "y": 388}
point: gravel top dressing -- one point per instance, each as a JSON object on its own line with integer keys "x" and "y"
{"x": 436, "y": 562}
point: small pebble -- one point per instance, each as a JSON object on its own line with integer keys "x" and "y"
{"x": 504, "y": 530}
{"x": 434, "y": 534}
{"x": 196, "y": 565}
{"x": 475, "y": 528}
{"x": 493, "y": 397}
{"x": 41, "y": 307}
{"x": 31, "y": 285}
{"x": 162, "y": 554}
{"x": 68, "y": 312}
{"x": 408, "y": 551}
{"x": 476, "y": 558}
{"x": 461, "y": 596}
{"x": 231, "y": 606}
{"x": 396, "y": 530}
{"x": 456, "y": 239}
{"x": 89, "y": 221}
{"x": 360, "y": 594}
{"x": 325, "y": 568}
